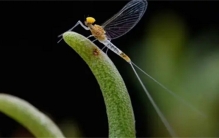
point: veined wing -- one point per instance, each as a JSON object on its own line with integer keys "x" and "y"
{"x": 125, "y": 19}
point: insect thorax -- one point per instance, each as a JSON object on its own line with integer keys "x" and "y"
{"x": 98, "y": 32}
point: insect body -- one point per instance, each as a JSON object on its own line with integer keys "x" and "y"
{"x": 99, "y": 33}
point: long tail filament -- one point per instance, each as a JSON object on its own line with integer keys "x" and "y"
{"x": 164, "y": 120}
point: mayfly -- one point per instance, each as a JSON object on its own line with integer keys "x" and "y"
{"x": 117, "y": 26}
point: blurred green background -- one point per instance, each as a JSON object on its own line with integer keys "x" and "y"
{"x": 175, "y": 42}
{"x": 186, "y": 63}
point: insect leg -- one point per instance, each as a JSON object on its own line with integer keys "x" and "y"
{"x": 89, "y": 36}
{"x": 107, "y": 50}
{"x": 78, "y": 23}
{"x": 103, "y": 48}
{"x": 94, "y": 40}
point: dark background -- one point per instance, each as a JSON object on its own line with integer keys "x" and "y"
{"x": 55, "y": 79}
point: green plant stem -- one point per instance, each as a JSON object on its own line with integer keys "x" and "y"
{"x": 35, "y": 121}
{"x": 118, "y": 104}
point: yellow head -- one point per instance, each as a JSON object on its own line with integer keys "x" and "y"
{"x": 90, "y": 20}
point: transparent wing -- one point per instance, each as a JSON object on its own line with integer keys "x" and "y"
{"x": 125, "y": 19}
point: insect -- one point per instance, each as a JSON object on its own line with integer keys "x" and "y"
{"x": 117, "y": 26}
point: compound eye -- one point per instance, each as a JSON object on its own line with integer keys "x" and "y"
{"x": 90, "y": 20}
